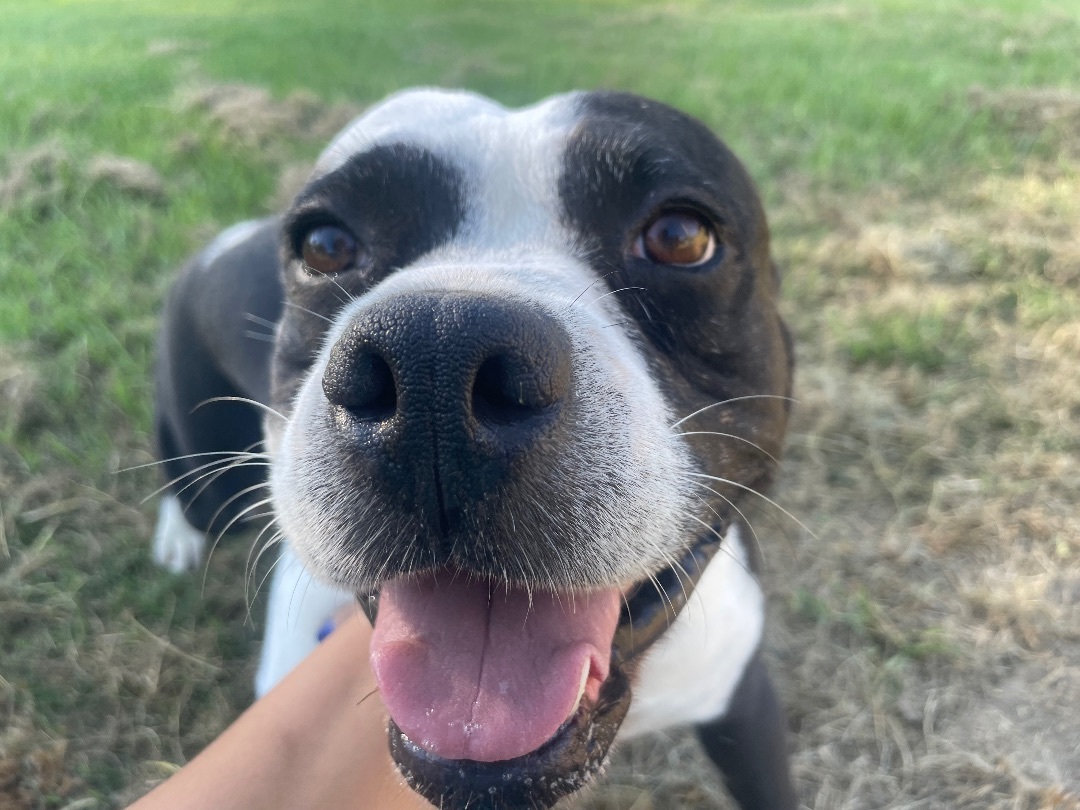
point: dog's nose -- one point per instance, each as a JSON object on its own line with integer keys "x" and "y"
{"x": 495, "y": 365}
{"x": 447, "y": 391}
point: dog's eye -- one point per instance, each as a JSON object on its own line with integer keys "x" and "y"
{"x": 329, "y": 249}
{"x": 680, "y": 238}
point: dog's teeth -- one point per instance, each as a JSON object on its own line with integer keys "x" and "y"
{"x": 581, "y": 686}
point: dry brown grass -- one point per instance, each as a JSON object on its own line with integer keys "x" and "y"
{"x": 251, "y": 115}
{"x": 928, "y": 640}
{"x": 1049, "y": 112}
{"x": 47, "y": 175}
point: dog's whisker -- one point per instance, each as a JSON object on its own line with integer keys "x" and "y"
{"x": 251, "y": 566}
{"x": 223, "y": 457}
{"x": 612, "y": 292}
{"x": 645, "y": 309}
{"x": 232, "y": 499}
{"x": 626, "y": 604}
{"x": 289, "y": 603}
{"x": 232, "y": 459}
{"x": 259, "y": 336}
{"x": 745, "y": 519}
{"x": 209, "y": 478}
{"x": 679, "y": 572}
{"x": 217, "y": 540}
{"x": 247, "y": 401}
{"x": 687, "y": 583}
{"x": 250, "y": 572}
{"x": 709, "y": 506}
{"x": 311, "y": 312}
{"x": 250, "y": 603}
{"x": 663, "y": 594}
{"x": 349, "y": 297}
{"x": 593, "y": 284}
{"x": 251, "y": 316}
{"x": 720, "y": 517}
{"x": 756, "y": 446}
{"x": 723, "y": 549}
{"x": 159, "y": 462}
{"x": 765, "y": 498}
{"x": 260, "y": 515}
{"x": 730, "y": 401}
{"x": 239, "y": 515}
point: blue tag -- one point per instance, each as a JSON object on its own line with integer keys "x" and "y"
{"x": 326, "y": 629}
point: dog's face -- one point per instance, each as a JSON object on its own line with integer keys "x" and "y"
{"x": 496, "y": 321}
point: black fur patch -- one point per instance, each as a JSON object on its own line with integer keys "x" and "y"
{"x": 714, "y": 330}
{"x": 399, "y": 201}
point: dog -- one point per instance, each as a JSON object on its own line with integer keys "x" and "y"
{"x": 513, "y": 372}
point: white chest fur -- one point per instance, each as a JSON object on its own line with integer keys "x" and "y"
{"x": 691, "y": 673}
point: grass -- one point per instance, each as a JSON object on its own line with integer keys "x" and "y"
{"x": 921, "y": 166}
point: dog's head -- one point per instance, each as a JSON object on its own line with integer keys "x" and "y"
{"x": 531, "y": 363}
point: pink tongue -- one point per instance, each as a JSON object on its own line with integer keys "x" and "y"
{"x": 468, "y": 676}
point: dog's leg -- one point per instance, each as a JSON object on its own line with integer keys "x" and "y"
{"x": 749, "y": 744}
{"x": 299, "y": 606}
{"x": 207, "y": 360}
{"x": 178, "y": 546}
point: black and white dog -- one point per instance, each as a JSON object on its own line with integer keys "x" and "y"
{"x": 524, "y": 367}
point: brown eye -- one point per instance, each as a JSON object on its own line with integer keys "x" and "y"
{"x": 681, "y": 238}
{"x": 329, "y": 249}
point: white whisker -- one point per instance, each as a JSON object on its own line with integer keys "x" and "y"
{"x": 213, "y": 475}
{"x": 730, "y": 401}
{"x": 246, "y": 401}
{"x": 194, "y": 455}
{"x": 266, "y": 576}
{"x": 765, "y": 498}
{"x": 233, "y": 459}
{"x": 594, "y": 283}
{"x": 239, "y": 514}
{"x": 232, "y": 499}
{"x": 349, "y": 297}
{"x": 605, "y": 295}
{"x": 269, "y": 324}
{"x": 309, "y": 311}
{"x": 746, "y": 520}
{"x": 723, "y": 549}
{"x": 252, "y": 567}
{"x": 757, "y": 447}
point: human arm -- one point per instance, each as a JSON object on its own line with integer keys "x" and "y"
{"x": 317, "y": 740}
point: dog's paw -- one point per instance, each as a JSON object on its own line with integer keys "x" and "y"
{"x": 178, "y": 546}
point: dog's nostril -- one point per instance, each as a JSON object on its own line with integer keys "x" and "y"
{"x": 506, "y": 390}
{"x": 364, "y": 386}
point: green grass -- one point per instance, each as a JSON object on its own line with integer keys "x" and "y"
{"x": 920, "y": 339}
{"x": 823, "y": 101}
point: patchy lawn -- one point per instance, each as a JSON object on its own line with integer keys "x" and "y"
{"x": 921, "y": 167}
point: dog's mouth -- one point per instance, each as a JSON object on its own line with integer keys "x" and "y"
{"x": 472, "y": 669}
{"x": 506, "y": 696}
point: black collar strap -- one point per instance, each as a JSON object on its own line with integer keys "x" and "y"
{"x": 655, "y": 604}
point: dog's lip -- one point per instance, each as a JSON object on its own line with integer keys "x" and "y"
{"x": 559, "y": 767}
